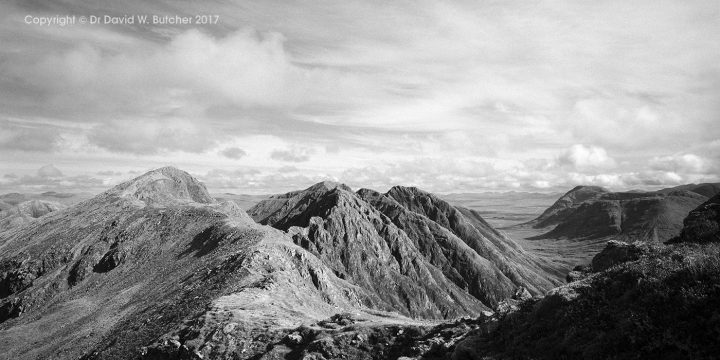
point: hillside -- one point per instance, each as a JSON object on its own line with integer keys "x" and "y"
{"x": 107, "y": 276}
{"x": 594, "y": 213}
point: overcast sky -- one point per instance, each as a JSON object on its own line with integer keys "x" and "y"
{"x": 449, "y": 96}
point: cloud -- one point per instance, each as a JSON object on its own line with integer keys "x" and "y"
{"x": 28, "y": 137}
{"x": 49, "y": 171}
{"x": 233, "y": 153}
{"x": 259, "y": 182}
{"x": 295, "y": 154}
{"x": 466, "y": 95}
{"x": 152, "y": 136}
{"x": 685, "y": 163}
{"x": 50, "y": 178}
{"x": 583, "y": 157}
{"x": 187, "y": 75}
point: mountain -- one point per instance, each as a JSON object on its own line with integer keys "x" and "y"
{"x": 157, "y": 255}
{"x": 567, "y": 204}
{"x": 13, "y": 215}
{"x": 156, "y": 268}
{"x": 636, "y": 301}
{"x": 407, "y": 245}
{"x": 594, "y": 213}
{"x": 643, "y": 300}
{"x": 17, "y": 209}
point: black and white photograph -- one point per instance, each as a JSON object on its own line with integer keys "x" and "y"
{"x": 359, "y": 179}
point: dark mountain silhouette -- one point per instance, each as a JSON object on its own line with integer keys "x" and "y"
{"x": 595, "y": 213}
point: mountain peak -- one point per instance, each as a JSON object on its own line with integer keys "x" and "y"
{"x": 592, "y": 189}
{"x": 328, "y": 185}
{"x": 163, "y": 186}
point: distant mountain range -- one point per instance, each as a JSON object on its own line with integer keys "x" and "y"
{"x": 17, "y": 209}
{"x": 590, "y": 212}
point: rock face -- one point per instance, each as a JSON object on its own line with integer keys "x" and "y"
{"x": 594, "y": 213}
{"x": 411, "y": 248}
{"x": 702, "y": 224}
{"x": 156, "y": 255}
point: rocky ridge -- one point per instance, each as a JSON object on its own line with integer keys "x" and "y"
{"x": 109, "y": 275}
{"x": 409, "y": 235}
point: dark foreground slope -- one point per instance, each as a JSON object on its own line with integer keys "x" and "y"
{"x": 587, "y": 213}
{"x": 407, "y": 245}
{"x": 156, "y": 255}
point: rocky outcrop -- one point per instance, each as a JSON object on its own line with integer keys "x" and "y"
{"x": 615, "y": 252}
{"x": 702, "y": 225}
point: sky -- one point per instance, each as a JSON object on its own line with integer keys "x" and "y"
{"x": 449, "y": 96}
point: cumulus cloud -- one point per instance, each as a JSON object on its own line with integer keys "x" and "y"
{"x": 192, "y": 72}
{"x": 233, "y": 153}
{"x": 684, "y": 163}
{"x": 579, "y": 156}
{"x": 449, "y": 96}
